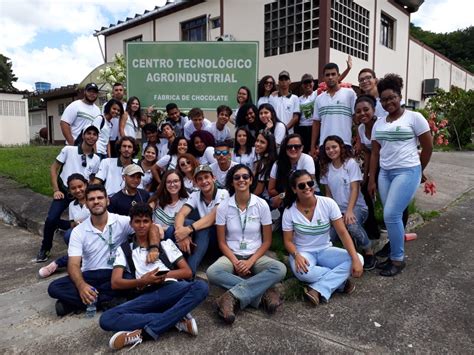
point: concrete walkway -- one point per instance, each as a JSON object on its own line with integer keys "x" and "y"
{"x": 428, "y": 308}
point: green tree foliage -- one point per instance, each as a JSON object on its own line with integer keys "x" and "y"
{"x": 457, "y": 46}
{"x": 456, "y": 106}
{"x": 6, "y": 74}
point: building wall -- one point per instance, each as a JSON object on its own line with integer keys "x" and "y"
{"x": 37, "y": 120}
{"x": 115, "y": 42}
{"x": 14, "y": 124}
{"x": 52, "y": 109}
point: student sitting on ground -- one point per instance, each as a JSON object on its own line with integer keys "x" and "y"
{"x": 163, "y": 301}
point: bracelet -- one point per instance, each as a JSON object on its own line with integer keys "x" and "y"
{"x": 152, "y": 246}
{"x": 192, "y": 227}
{"x": 295, "y": 253}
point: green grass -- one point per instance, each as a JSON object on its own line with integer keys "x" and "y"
{"x": 29, "y": 165}
{"x": 429, "y": 215}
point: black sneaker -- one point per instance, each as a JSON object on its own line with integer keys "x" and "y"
{"x": 43, "y": 255}
{"x": 63, "y": 309}
{"x": 384, "y": 252}
{"x": 369, "y": 262}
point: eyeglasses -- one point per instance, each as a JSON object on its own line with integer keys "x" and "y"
{"x": 388, "y": 98}
{"x": 184, "y": 163}
{"x": 84, "y": 160}
{"x": 365, "y": 78}
{"x": 172, "y": 182}
{"x": 237, "y": 177}
{"x": 221, "y": 152}
{"x": 294, "y": 146}
{"x": 302, "y": 185}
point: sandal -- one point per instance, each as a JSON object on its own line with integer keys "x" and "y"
{"x": 312, "y": 295}
{"x": 391, "y": 269}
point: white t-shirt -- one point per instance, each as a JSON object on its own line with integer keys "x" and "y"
{"x": 363, "y": 138}
{"x": 305, "y": 162}
{"x": 165, "y": 216}
{"x": 307, "y": 109}
{"x": 263, "y": 100}
{"x": 71, "y": 158}
{"x": 285, "y": 106}
{"x": 79, "y": 115}
{"x": 78, "y": 212}
{"x": 398, "y": 140}
{"x": 196, "y": 200}
{"x": 208, "y": 157}
{"x": 311, "y": 235}
{"x": 279, "y": 133}
{"x": 220, "y": 135}
{"x": 189, "y": 185}
{"x": 162, "y": 148}
{"x": 104, "y": 133}
{"x": 115, "y": 122}
{"x": 254, "y": 217}
{"x": 168, "y": 162}
{"x": 190, "y": 129}
{"x": 139, "y": 256}
{"x": 95, "y": 246}
{"x": 246, "y": 159}
{"x": 131, "y": 127}
{"x": 335, "y": 113}
{"x": 110, "y": 172}
{"x": 219, "y": 174}
{"x": 339, "y": 182}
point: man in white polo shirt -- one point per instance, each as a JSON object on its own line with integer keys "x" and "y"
{"x": 79, "y": 114}
{"x": 196, "y": 122}
{"x": 286, "y": 105}
{"x": 223, "y": 163}
{"x": 195, "y": 237}
{"x": 72, "y": 159}
{"x": 91, "y": 252}
{"x": 110, "y": 169}
{"x": 333, "y": 111}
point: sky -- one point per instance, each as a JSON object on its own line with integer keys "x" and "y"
{"x": 52, "y": 40}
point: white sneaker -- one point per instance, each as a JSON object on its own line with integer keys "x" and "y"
{"x": 48, "y": 270}
{"x": 188, "y": 325}
{"x": 122, "y": 339}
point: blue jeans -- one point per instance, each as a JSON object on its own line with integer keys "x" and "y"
{"x": 397, "y": 187}
{"x": 205, "y": 239}
{"x": 65, "y": 290}
{"x": 62, "y": 261}
{"x": 328, "y": 269}
{"x": 156, "y": 311}
{"x": 356, "y": 230}
{"x": 266, "y": 272}
{"x": 54, "y": 221}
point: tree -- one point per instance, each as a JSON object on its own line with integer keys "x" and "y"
{"x": 6, "y": 74}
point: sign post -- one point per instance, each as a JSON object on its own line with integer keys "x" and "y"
{"x": 191, "y": 74}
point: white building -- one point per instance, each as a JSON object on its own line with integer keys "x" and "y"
{"x": 14, "y": 125}
{"x": 301, "y": 36}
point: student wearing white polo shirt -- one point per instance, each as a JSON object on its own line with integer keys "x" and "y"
{"x": 333, "y": 111}
{"x": 219, "y": 129}
{"x": 306, "y": 222}
{"x": 306, "y": 101}
{"x": 223, "y": 163}
{"x": 286, "y": 105}
{"x": 112, "y": 108}
{"x": 244, "y": 233}
{"x": 194, "y": 238}
{"x": 110, "y": 169}
{"x": 290, "y": 158}
{"x": 196, "y": 122}
{"x": 91, "y": 253}
{"x": 72, "y": 159}
{"x": 79, "y": 114}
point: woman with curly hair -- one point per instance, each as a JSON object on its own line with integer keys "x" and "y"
{"x": 394, "y": 147}
{"x": 266, "y": 86}
{"x": 187, "y": 163}
{"x": 247, "y": 117}
{"x": 271, "y": 123}
{"x": 202, "y": 147}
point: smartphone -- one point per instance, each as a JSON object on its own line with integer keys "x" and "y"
{"x": 161, "y": 272}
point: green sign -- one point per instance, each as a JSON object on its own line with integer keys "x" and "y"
{"x": 191, "y": 74}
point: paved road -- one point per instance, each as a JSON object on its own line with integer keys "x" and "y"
{"x": 428, "y": 308}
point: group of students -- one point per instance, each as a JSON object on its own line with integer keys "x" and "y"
{"x": 198, "y": 191}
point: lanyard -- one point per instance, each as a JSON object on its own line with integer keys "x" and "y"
{"x": 243, "y": 224}
{"x": 109, "y": 243}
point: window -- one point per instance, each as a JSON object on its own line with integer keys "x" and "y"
{"x": 61, "y": 108}
{"x": 350, "y": 28}
{"x": 133, "y": 39}
{"x": 387, "y": 30}
{"x": 215, "y": 22}
{"x": 413, "y": 104}
{"x": 290, "y": 26}
{"x": 12, "y": 108}
{"x": 194, "y": 30}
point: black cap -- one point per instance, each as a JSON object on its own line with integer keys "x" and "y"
{"x": 92, "y": 86}
{"x": 283, "y": 74}
{"x": 92, "y": 128}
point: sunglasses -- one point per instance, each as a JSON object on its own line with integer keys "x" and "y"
{"x": 268, "y": 82}
{"x": 237, "y": 177}
{"x": 302, "y": 185}
{"x": 221, "y": 152}
{"x": 84, "y": 160}
{"x": 294, "y": 146}
{"x": 184, "y": 163}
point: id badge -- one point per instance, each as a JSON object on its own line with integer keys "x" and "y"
{"x": 111, "y": 259}
{"x": 243, "y": 245}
